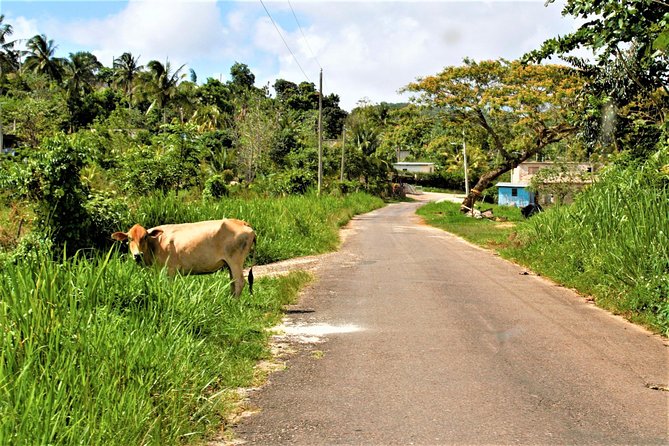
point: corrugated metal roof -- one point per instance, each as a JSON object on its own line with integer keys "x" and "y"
{"x": 511, "y": 185}
{"x": 412, "y": 163}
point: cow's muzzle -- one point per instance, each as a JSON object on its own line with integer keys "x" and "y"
{"x": 139, "y": 257}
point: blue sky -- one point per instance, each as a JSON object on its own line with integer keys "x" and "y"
{"x": 368, "y": 49}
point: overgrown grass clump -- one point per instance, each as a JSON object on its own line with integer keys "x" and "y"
{"x": 287, "y": 227}
{"x": 612, "y": 243}
{"x": 105, "y": 352}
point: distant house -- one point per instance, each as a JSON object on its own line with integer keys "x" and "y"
{"x": 570, "y": 178}
{"x": 414, "y": 167}
{"x": 514, "y": 194}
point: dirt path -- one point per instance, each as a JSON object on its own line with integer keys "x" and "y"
{"x": 411, "y": 336}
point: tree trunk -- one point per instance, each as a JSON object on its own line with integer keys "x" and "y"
{"x": 483, "y": 183}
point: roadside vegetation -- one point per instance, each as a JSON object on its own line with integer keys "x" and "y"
{"x": 484, "y": 232}
{"x": 611, "y": 244}
{"x": 98, "y": 350}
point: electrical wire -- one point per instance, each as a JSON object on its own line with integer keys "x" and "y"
{"x": 304, "y": 36}
{"x": 284, "y": 40}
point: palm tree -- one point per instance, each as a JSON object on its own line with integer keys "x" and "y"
{"x": 9, "y": 57}
{"x": 206, "y": 117}
{"x": 41, "y": 58}
{"x": 126, "y": 70}
{"x": 81, "y": 68}
{"x": 164, "y": 83}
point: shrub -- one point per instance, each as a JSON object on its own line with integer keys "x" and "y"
{"x": 215, "y": 187}
{"x": 106, "y": 214}
{"x": 293, "y": 181}
{"x": 52, "y": 179}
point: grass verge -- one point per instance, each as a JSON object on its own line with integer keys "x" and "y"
{"x": 484, "y": 232}
{"x": 106, "y": 352}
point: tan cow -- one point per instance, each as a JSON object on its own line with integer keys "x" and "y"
{"x": 194, "y": 248}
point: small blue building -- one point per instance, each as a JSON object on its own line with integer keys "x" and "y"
{"x": 512, "y": 194}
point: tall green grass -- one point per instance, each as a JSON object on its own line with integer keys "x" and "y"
{"x": 106, "y": 352}
{"x": 612, "y": 243}
{"x": 287, "y": 227}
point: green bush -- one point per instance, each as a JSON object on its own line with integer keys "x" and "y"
{"x": 106, "y": 213}
{"x": 292, "y": 181}
{"x": 215, "y": 187}
{"x": 51, "y": 178}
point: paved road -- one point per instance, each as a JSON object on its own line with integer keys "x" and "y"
{"x": 443, "y": 343}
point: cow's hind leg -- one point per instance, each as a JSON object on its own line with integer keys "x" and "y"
{"x": 237, "y": 275}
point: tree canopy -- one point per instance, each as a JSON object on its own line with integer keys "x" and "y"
{"x": 627, "y": 88}
{"x": 518, "y": 109}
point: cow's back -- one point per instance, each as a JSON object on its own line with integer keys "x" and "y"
{"x": 203, "y": 246}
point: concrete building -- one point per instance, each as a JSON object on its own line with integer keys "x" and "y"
{"x": 414, "y": 167}
{"x": 516, "y": 192}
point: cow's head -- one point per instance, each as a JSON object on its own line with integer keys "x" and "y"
{"x": 139, "y": 241}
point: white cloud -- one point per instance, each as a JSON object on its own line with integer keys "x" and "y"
{"x": 367, "y": 48}
{"x": 372, "y": 49}
{"x": 175, "y": 30}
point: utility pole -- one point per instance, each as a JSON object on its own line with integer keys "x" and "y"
{"x": 2, "y": 140}
{"x": 320, "y": 134}
{"x": 464, "y": 157}
{"x": 343, "y": 147}
{"x": 464, "y": 154}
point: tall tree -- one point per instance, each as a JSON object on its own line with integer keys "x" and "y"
{"x": 126, "y": 68}
{"x": 242, "y": 77}
{"x": 81, "y": 70}
{"x": 609, "y": 26}
{"x": 9, "y": 57}
{"x": 164, "y": 84}
{"x": 628, "y": 82}
{"x": 521, "y": 109}
{"x": 257, "y": 127}
{"x": 41, "y": 58}
{"x": 214, "y": 92}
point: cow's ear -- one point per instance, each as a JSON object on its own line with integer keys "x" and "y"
{"x": 154, "y": 232}
{"x": 120, "y": 236}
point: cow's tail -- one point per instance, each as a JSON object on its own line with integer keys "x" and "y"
{"x": 253, "y": 262}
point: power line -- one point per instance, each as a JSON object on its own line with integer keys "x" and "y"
{"x": 303, "y": 35}
{"x": 284, "y": 40}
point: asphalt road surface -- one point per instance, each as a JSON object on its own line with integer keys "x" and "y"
{"x": 420, "y": 338}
